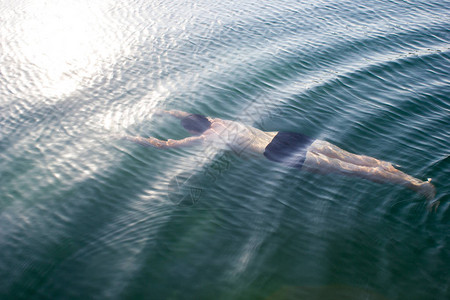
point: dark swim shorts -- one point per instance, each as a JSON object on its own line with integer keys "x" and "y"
{"x": 288, "y": 148}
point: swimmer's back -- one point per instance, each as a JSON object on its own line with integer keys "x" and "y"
{"x": 238, "y": 137}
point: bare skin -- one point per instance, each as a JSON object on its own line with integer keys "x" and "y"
{"x": 321, "y": 156}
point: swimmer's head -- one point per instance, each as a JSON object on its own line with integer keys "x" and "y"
{"x": 195, "y": 124}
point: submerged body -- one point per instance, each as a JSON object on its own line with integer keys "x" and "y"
{"x": 291, "y": 149}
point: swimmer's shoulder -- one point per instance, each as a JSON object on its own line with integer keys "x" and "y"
{"x": 212, "y": 120}
{"x": 272, "y": 134}
{"x": 221, "y": 123}
{"x": 217, "y": 122}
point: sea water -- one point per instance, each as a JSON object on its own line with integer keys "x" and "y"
{"x": 86, "y": 215}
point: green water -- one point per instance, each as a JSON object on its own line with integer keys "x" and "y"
{"x": 84, "y": 215}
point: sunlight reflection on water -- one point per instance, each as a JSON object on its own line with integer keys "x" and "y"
{"x": 62, "y": 45}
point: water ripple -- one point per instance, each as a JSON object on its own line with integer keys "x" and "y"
{"x": 96, "y": 211}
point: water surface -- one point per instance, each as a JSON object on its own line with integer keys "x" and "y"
{"x": 85, "y": 215}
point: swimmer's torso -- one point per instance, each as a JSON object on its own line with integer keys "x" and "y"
{"x": 242, "y": 139}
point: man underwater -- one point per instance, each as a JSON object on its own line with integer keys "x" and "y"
{"x": 289, "y": 148}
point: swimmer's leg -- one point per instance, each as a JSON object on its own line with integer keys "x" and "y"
{"x": 332, "y": 151}
{"x": 319, "y": 163}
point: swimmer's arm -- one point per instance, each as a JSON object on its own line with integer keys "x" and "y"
{"x": 179, "y": 114}
{"x": 156, "y": 143}
{"x": 174, "y": 113}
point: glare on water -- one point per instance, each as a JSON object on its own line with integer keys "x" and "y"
{"x": 64, "y": 43}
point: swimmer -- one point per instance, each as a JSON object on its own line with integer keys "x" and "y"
{"x": 289, "y": 148}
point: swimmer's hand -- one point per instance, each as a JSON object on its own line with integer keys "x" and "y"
{"x": 160, "y": 112}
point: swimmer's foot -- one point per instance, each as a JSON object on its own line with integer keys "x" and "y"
{"x": 427, "y": 189}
